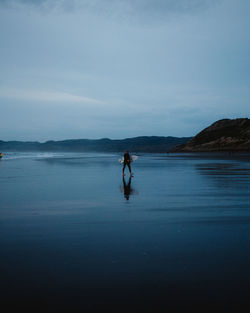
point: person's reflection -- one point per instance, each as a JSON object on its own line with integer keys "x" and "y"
{"x": 127, "y": 187}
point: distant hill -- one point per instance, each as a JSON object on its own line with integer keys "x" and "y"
{"x": 137, "y": 144}
{"x": 223, "y": 135}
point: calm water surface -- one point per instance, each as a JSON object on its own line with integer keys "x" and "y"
{"x": 76, "y": 237}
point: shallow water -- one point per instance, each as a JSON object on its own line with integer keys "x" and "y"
{"x": 75, "y": 237}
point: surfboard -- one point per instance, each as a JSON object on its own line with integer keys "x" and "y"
{"x": 133, "y": 158}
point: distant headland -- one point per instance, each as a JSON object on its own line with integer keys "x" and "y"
{"x": 138, "y": 144}
{"x": 224, "y": 135}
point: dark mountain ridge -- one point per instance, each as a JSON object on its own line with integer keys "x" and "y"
{"x": 223, "y": 135}
{"x": 137, "y": 144}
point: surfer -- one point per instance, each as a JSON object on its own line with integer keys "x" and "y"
{"x": 127, "y": 161}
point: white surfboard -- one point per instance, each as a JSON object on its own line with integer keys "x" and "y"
{"x": 133, "y": 158}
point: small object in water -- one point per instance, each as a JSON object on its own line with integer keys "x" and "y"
{"x": 1, "y": 155}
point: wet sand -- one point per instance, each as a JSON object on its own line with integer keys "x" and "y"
{"x": 75, "y": 237}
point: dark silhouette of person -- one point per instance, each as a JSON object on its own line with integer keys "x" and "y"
{"x": 126, "y": 162}
{"x": 127, "y": 188}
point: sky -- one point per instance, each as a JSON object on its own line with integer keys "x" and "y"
{"x": 121, "y": 68}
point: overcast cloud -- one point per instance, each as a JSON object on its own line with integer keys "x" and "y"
{"x": 106, "y": 68}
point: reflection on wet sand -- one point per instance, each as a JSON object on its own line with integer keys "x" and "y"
{"x": 127, "y": 190}
{"x": 226, "y": 175}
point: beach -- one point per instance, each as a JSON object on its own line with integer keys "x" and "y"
{"x": 76, "y": 237}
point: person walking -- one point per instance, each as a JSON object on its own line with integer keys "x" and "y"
{"x": 126, "y": 162}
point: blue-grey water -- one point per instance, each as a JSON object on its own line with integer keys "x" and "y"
{"x": 75, "y": 237}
